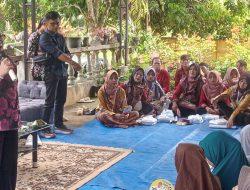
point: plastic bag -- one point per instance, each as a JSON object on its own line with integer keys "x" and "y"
{"x": 221, "y": 126}
{"x": 166, "y": 116}
{"x": 195, "y": 118}
{"x": 148, "y": 120}
{"x": 208, "y": 116}
{"x": 220, "y": 121}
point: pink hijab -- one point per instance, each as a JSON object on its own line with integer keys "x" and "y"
{"x": 227, "y": 80}
{"x": 212, "y": 90}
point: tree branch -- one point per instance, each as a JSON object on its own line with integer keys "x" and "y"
{"x": 104, "y": 15}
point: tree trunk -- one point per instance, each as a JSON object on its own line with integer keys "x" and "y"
{"x": 91, "y": 14}
{"x": 96, "y": 7}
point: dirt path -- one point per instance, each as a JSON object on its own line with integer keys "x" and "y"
{"x": 73, "y": 119}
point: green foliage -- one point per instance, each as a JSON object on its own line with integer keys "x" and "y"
{"x": 196, "y": 47}
{"x": 202, "y": 18}
{"x": 208, "y": 17}
{"x": 200, "y": 50}
{"x": 151, "y": 44}
{"x": 236, "y": 52}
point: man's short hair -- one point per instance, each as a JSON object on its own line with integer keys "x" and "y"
{"x": 203, "y": 64}
{"x": 185, "y": 57}
{"x": 52, "y": 15}
{"x": 242, "y": 63}
{"x": 154, "y": 58}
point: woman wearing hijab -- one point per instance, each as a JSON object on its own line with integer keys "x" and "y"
{"x": 245, "y": 140}
{"x": 239, "y": 111}
{"x": 212, "y": 88}
{"x": 226, "y": 155}
{"x": 231, "y": 77}
{"x": 112, "y": 103}
{"x": 154, "y": 93}
{"x": 244, "y": 179}
{"x": 193, "y": 171}
{"x": 135, "y": 90}
{"x": 186, "y": 94}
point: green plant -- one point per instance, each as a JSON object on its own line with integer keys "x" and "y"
{"x": 151, "y": 44}
{"x": 200, "y": 49}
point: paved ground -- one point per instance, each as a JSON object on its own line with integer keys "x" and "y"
{"x": 73, "y": 119}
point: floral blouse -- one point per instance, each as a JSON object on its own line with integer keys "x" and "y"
{"x": 9, "y": 106}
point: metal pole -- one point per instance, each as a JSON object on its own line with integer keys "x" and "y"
{"x": 126, "y": 35}
{"x": 120, "y": 25}
{"x": 33, "y": 15}
{"x": 25, "y": 40}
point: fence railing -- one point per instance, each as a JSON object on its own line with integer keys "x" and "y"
{"x": 89, "y": 57}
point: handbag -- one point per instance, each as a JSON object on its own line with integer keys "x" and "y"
{"x": 38, "y": 65}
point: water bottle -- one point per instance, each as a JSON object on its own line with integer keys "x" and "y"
{"x": 165, "y": 107}
{"x": 166, "y": 104}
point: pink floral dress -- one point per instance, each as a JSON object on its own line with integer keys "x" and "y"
{"x": 9, "y": 106}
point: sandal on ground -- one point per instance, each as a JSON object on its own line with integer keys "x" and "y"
{"x": 47, "y": 135}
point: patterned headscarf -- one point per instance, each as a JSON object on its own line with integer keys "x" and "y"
{"x": 192, "y": 85}
{"x": 240, "y": 93}
{"x": 154, "y": 86}
{"x": 135, "y": 89}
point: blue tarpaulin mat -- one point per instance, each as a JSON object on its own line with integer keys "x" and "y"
{"x": 153, "y": 155}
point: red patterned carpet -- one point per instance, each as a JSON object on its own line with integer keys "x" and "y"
{"x": 65, "y": 166}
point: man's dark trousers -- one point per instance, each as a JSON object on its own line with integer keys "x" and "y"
{"x": 56, "y": 93}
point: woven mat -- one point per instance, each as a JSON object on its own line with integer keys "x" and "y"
{"x": 65, "y": 166}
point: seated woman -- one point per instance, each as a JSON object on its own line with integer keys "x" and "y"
{"x": 112, "y": 102}
{"x": 212, "y": 88}
{"x": 135, "y": 92}
{"x": 226, "y": 155}
{"x": 245, "y": 141}
{"x": 193, "y": 171}
{"x": 239, "y": 111}
{"x": 244, "y": 179}
{"x": 231, "y": 77}
{"x": 154, "y": 93}
{"x": 186, "y": 94}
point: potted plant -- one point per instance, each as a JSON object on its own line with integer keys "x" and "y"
{"x": 100, "y": 36}
{"x": 73, "y": 35}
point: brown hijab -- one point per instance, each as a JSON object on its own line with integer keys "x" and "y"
{"x": 213, "y": 90}
{"x": 193, "y": 170}
{"x": 110, "y": 92}
{"x": 107, "y": 83}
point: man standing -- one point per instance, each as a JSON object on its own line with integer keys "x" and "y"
{"x": 183, "y": 71}
{"x": 162, "y": 76}
{"x": 241, "y": 66}
{"x": 56, "y": 75}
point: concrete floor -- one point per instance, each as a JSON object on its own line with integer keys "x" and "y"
{"x": 73, "y": 119}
